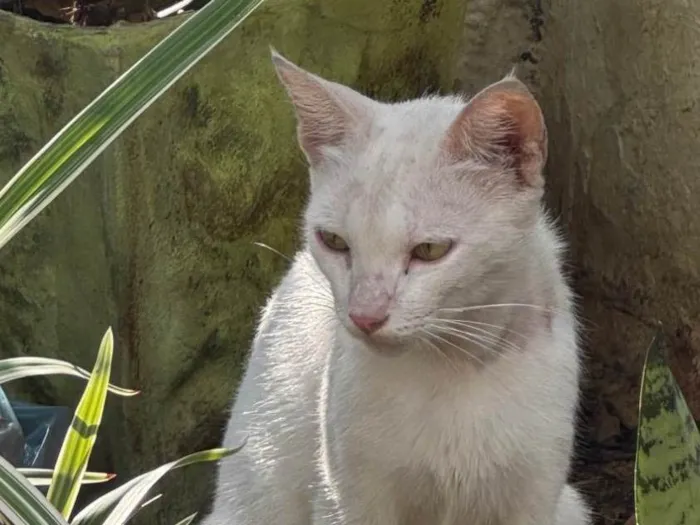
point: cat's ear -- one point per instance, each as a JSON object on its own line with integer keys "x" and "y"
{"x": 502, "y": 125}
{"x": 328, "y": 114}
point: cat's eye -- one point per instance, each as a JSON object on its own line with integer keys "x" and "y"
{"x": 332, "y": 241}
{"x": 431, "y": 251}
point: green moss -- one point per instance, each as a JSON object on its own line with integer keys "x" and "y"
{"x": 14, "y": 142}
{"x": 51, "y": 69}
{"x": 408, "y": 75}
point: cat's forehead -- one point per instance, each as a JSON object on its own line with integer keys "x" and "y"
{"x": 405, "y": 138}
{"x": 387, "y": 184}
{"x": 390, "y": 184}
{"x": 379, "y": 214}
{"x": 389, "y": 204}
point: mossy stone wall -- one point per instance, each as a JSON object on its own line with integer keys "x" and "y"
{"x": 156, "y": 238}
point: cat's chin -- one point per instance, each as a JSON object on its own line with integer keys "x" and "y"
{"x": 385, "y": 349}
{"x": 379, "y": 344}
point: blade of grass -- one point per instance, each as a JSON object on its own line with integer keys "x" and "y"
{"x": 77, "y": 446}
{"x": 41, "y": 477}
{"x": 21, "y": 367}
{"x": 117, "y": 506}
{"x": 21, "y": 503}
{"x": 70, "y": 151}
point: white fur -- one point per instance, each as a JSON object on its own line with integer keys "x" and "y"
{"x": 404, "y": 428}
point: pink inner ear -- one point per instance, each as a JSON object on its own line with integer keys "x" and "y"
{"x": 321, "y": 126}
{"x": 322, "y": 120}
{"x": 503, "y": 126}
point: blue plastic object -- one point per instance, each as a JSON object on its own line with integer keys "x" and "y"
{"x": 11, "y": 435}
{"x": 44, "y": 429}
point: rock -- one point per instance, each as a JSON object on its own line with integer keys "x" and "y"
{"x": 619, "y": 84}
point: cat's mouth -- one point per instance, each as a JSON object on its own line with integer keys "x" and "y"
{"x": 383, "y": 341}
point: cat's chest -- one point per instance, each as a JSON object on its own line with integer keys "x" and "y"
{"x": 401, "y": 413}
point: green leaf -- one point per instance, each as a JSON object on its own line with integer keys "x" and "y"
{"x": 119, "y": 505}
{"x": 21, "y": 503}
{"x": 41, "y": 477}
{"x": 667, "y": 467}
{"x": 69, "y": 152}
{"x": 80, "y": 438}
{"x": 189, "y": 519}
{"x": 21, "y": 367}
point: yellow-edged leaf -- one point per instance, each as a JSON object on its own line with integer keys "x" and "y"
{"x": 80, "y": 438}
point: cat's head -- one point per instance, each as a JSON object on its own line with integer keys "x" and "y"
{"x": 420, "y": 206}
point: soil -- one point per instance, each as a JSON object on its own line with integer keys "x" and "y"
{"x": 607, "y": 484}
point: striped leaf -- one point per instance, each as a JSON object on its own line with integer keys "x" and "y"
{"x": 21, "y": 367}
{"x": 119, "y": 505}
{"x": 69, "y": 152}
{"x": 80, "y": 438}
{"x": 667, "y": 467}
{"x": 41, "y": 477}
{"x": 21, "y": 503}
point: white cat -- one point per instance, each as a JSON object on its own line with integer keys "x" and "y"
{"x": 418, "y": 365}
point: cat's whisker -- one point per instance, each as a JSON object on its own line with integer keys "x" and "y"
{"x": 495, "y": 332}
{"x": 474, "y": 308}
{"x": 496, "y": 338}
{"x": 322, "y": 285}
{"x": 487, "y": 346}
{"x": 486, "y": 369}
{"x": 496, "y": 343}
{"x": 462, "y": 350}
{"x": 467, "y": 322}
{"x": 439, "y": 350}
{"x": 273, "y": 250}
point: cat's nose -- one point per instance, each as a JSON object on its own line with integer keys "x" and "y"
{"x": 369, "y": 324}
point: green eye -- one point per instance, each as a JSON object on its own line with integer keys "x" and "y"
{"x": 332, "y": 241}
{"x": 431, "y": 251}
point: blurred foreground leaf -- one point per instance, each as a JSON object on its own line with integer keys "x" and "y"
{"x": 21, "y": 503}
{"x": 73, "y": 148}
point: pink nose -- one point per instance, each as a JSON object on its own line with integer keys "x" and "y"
{"x": 368, "y": 324}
